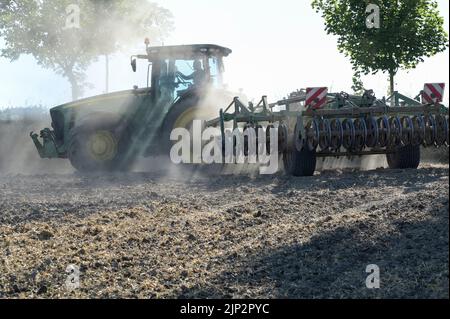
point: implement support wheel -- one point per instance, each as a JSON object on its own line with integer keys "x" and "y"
{"x": 404, "y": 157}
{"x": 300, "y": 163}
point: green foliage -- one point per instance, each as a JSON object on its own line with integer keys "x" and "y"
{"x": 38, "y": 28}
{"x": 358, "y": 85}
{"x": 409, "y": 31}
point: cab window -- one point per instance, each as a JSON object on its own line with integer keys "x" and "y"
{"x": 215, "y": 71}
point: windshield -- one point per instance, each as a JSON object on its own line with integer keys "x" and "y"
{"x": 178, "y": 75}
{"x": 184, "y": 72}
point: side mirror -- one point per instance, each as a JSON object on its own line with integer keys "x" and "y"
{"x": 133, "y": 64}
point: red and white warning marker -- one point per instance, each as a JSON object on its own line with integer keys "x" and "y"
{"x": 316, "y": 98}
{"x": 433, "y": 93}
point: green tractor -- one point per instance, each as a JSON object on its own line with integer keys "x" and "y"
{"x": 108, "y": 132}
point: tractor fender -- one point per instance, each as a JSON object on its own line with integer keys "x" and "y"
{"x": 188, "y": 100}
{"x": 172, "y": 116}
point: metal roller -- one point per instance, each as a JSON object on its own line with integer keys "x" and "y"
{"x": 372, "y": 132}
{"x": 324, "y": 134}
{"x": 395, "y": 137}
{"x": 430, "y": 130}
{"x": 349, "y": 134}
{"x": 312, "y": 134}
{"x": 337, "y": 135}
{"x": 441, "y": 130}
{"x": 360, "y": 134}
{"x": 419, "y": 130}
{"x": 384, "y": 131}
{"x": 407, "y": 131}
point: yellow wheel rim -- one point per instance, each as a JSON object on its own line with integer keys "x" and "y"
{"x": 186, "y": 118}
{"x": 102, "y": 146}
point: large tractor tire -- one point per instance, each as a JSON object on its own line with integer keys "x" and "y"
{"x": 182, "y": 115}
{"x": 99, "y": 148}
{"x": 300, "y": 163}
{"x": 404, "y": 157}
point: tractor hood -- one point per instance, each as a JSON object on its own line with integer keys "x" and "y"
{"x": 114, "y": 104}
{"x": 108, "y": 106}
{"x": 103, "y": 99}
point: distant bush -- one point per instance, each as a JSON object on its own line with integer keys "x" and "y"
{"x": 25, "y": 114}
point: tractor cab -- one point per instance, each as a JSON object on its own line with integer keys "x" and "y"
{"x": 176, "y": 70}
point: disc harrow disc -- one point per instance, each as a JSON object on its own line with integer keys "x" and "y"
{"x": 419, "y": 130}
{"x": 441, "y": 130}
{"x": 298, "y": 139}
{"x": 384, "y": 131}
{"x": 407, "y": 131}
{"x": 360, "y": 135}
{"x": 282, "y": 138}
{"x": 372, "y": 132}
{"x": 249, "y": 136}
{"x": 324, "y": 134}
{"x": 337, "y": 135}
{"x": 430, "y": 130}
{"x": 395, "y": 138}
{"x": 259, "y": 145}
{"x": 269, "y": 145}
{"x": 349, "y": 134}
{"x": 312, "y": 134}
{"x": 447, "y": 143}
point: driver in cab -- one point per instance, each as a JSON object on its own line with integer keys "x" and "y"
{"x": 199, "y": 75}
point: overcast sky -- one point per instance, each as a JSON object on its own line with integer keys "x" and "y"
{"x": 278, "y": 46}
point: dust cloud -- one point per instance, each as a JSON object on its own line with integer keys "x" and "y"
{"x": 18, "y": 154}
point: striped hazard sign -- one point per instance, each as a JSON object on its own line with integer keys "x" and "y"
{"x": 433, "y": 93}
{"x": 316, "y": 98}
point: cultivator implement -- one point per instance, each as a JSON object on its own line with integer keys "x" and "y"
{"x": 314, "y": 123}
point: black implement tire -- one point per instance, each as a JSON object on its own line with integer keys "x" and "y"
{"x": 300, "y": 163}
{"x": 111, "y": 157}
{"x": 404, "y": 157}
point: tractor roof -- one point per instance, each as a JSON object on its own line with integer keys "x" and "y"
{"x": 184, "y": 51}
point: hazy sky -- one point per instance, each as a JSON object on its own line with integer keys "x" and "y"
{"x": 278, "y": 47}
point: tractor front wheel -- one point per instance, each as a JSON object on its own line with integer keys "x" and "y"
{"x": 98, "y": 149}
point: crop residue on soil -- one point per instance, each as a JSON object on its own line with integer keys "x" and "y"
{"x": 150, "y": 236}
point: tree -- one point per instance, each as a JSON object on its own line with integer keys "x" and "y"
{"x": 48, "y": 31}
{"x": 121, "y": 24}
{"x": 409, "y": 31}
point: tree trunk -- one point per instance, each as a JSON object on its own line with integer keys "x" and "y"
{"x": 76, "y": 90}
{"x": 391, "y": 82}
{"x": 392, "y": 87}
{"x": 107, "y": 73}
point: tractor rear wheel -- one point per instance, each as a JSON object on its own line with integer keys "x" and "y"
{"x": 98, "y": 149}
{"x": 404, "y": 157}
{"x": 182, "y": 115}
{"x": 300, "y": 163}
